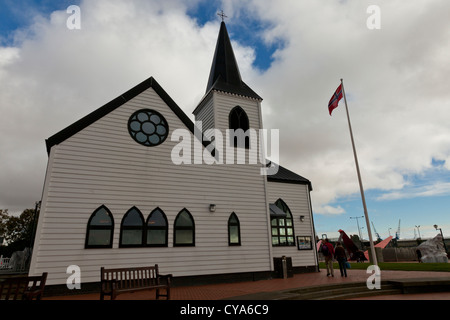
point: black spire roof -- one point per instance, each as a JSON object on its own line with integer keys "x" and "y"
{"x": 224, "y": 74}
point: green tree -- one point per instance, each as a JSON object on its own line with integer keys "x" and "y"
{"x": 17, "y": 228}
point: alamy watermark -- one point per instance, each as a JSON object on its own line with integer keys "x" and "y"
{"x": 374, "y": 20}
{"x": 74, "y": 280}
{"x": 374, "y": 281}
{"x": 234, "y": 147}
{"x": 74, "y": 21}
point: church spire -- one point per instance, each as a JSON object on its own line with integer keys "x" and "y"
{"x": 224, "y": 64}
{"x": 224, "y": 74}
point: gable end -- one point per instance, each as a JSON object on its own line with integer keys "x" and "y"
{"x": 114, "y": 104}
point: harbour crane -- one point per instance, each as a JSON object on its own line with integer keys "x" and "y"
{"x": 397, "y": 234}
{"x": 376, "y": 233}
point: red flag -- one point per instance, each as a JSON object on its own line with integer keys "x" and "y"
{"x": 333, "y": 104}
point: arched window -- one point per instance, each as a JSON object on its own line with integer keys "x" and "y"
{"x": 132, "y": 229}
{"x": 184, "y": 229}
{"x": 238, "y": 119}
{"x": 234, "y": 230}
{"x": 100, "y": 229}
{"x": 157, "y": 229}
{"x": 282, "y": 225}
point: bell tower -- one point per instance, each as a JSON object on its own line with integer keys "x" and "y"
{"x": 229, "y": 103}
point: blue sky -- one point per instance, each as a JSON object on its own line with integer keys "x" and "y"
{"x": 291, "y": 55}
{"x": 16, "y": 14}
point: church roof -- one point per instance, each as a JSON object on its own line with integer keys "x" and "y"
{"x": 287, "y": 176}
{"x": 224, "y": 74}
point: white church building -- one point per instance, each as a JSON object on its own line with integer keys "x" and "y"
{"x": 123, "y": 189}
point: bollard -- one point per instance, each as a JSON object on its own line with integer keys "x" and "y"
{"x": 284, "y": 265}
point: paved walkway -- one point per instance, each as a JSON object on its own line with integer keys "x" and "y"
{"x": 234, "y": 290}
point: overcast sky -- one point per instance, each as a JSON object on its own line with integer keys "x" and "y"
{"x": 292, "y": 53}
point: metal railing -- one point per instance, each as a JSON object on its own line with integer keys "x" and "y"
{"x": 6, "y": 265}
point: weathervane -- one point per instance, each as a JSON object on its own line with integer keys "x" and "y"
{"x": 222, "y": 15}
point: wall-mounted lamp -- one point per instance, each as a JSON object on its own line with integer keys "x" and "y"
{"x": 302, "y": 218}
{"x": 212, "y": 208}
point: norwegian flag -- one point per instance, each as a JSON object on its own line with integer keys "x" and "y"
{"x": 333, "y": 104}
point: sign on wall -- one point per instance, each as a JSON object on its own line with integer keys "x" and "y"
{"x": 304, "y": 243}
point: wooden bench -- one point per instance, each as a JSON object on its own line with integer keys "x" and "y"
{"x": 121, "y": 280}
{"x": 23, "y": 287}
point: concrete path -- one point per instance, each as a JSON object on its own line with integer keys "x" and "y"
{"x": 230, "y": 290}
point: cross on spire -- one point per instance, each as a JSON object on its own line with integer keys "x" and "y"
{"x": 222, "y": 15}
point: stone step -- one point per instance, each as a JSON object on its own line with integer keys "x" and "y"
{"x": 372, "y": 293}
{"x": 348, "y": 290}
{"x": 338, "y": 291}
{"x": 359, "y": 294}
{"x": 422, "y": 285}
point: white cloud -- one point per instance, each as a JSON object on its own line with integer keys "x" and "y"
{"x": 436, "y": 189}
{"x": 396, "y": 81}
{"x": 329, "y": 210}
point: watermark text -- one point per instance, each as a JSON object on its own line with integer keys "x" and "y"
{"x": 374, "y": 20}
{"x": 74, "y": 280}
{"x": 74, "y": 21}
{"x": 374, "y": 281}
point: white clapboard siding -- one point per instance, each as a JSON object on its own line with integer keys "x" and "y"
{"x": 205, "y": 114}
{"x": 296, "y": 196}
{"x": 102, "y": 165}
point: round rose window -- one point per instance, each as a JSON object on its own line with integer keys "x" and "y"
{"x": 148, "y": 127}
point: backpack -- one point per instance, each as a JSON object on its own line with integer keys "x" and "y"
{"x": 325, "y": 250}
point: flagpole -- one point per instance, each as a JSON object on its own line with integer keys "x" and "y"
{"x": 372, "y": 248}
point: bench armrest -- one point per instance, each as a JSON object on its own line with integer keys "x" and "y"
{"x": 167, "y": 277}
{"x": 29, "y": 295}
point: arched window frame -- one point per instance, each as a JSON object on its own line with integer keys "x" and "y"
{"x": 91, "y": 229}
{"x": 238, "y": 119}
{"x": 124, "y": 227}
{"x": 237, "y": 227}
{"x": 282, "y": 227}
{"x": 164, "y": 228}
{"x": 177, "y": 228}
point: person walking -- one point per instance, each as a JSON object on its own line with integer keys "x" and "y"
{"x": 419, "y": 255}
{"x": 328, "y": 252}
{"x": 341, "y": 257}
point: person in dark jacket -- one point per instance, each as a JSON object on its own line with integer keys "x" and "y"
{"x": 341, "y": 257}
{"x": 419, "y": 255}
{"x": 328, "y": 253}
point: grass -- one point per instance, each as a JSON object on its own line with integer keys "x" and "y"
{"x": 408, "y": 266}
